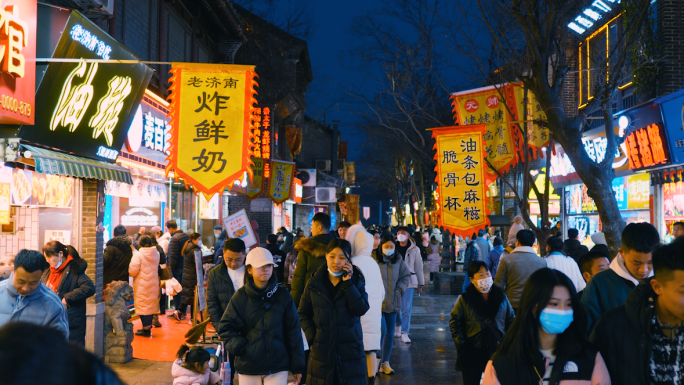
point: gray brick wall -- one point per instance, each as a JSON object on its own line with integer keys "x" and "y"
{"x": 670, "y": 31}
{"x": 136, "y": 27}
{"x": 316, "y": 143}
{"x": 92, "y": 245}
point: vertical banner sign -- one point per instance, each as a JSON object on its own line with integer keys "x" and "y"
{"x": 18, "y": 61}
{"x": 238, "y": 226}
{"x": 461, "y": 178}
{"x": 256, "y": 186}
{"x": 5, "y": 188}
{"x": 486, "y": 106}
{"x": 294, "y": 140}
{"x": 261, "y": 140}
{"x": 350, "y": 173}
{"x": 281, "y": 183}
{"x": 366, "y": 213}
{"x": 214, "y": 105}
{"x": 352, "y": 214}
{"x": 537, "y": 136}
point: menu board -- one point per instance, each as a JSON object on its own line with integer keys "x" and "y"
{"x": 35, "y": 189}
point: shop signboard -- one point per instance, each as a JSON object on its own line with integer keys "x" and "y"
{"x": 141, "y": 193}
{"x": 18, "y": 19}
{"x": 209, "y": 209}
{"x": 673, "y": 197}
{"x": 149, "y": 134}
{"x": 140, "y": 217}
{"x": 577, "y": 200}
{"x": 461, "y": 179}
{"x": 281, "y": 183}
{"x": 238, "y": 226}
{"x": 620, "y": 190}
{"x": 298, "y": 190}
{"x": 647, "y": 147}
{"x": 256, "y": 186}
{"x": 87, "y": 107}
{"x": 61, "y": 236}
{"x": 582, "y": 226}
{"x": 638, "y": 191}
{"x": 5, "y": 191}
{"x": 631, "y": 192}
{"x": 323, "y": 209}
{"x": 672, "y": 109}
{"x": 34, "y": 189}
{"x": 261, "y": 140}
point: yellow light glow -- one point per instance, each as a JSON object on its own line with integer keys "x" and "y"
{"x": 156, "y": 98}
{"x": 109, "y": 107}
{"x": 74, "y": 100}
{"x": 625, "y": 86}
{"x": 137, "y": 165}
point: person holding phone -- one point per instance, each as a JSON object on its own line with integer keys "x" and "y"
{"x": 330, "y": 312}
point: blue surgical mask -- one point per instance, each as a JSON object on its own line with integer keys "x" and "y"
{"x": 388, "y": 253}
{"x": 555, "y": 321}
{"x": 335, "y": 274}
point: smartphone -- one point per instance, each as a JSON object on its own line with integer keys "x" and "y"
{"x": 345, "y": 274}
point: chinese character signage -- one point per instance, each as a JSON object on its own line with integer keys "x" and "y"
{"x": 461, "y": 178}
{"x": 673, "y": 196}
{"x": 86, "y": 108}
{"x": 638, "y": 191}
{"x": 17, "y": 61}
{"x": 281, "y": 183}
{"x": 646, "y": 147}
{"x": 487, "y": 107}
{"x": 214, "y": 104}
{"x": 256, "y": 186}
{"x": 350, "y": 173}
{"x": 5, "y": 188}
{"x": 537, "y": 136}
{"x": 262, "y": 140}
{"x": 352, "y": 208}
{"x": 238, "y": 226}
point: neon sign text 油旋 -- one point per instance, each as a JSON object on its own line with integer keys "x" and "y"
{"x": 591, "y": 15}
{"x": 90, "y": 41}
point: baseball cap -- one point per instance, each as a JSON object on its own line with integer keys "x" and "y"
{"x": 259, "y": 257}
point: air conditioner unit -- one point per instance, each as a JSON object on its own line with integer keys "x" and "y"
{"x": 307, "y": 176}
{"x": 326, "y": 195}
{"x": 106, "y": 5}
{"x": 323, "y": 165}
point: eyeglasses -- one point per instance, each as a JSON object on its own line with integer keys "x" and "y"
{"x": 234, "y": 260}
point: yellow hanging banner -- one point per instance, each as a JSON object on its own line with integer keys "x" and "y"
{"x": 537, "y": 135}
{"x": 462, "y": 187}
{"x": 212, "y": 108}
{"x": 488, "y": 106}
{"x": 281, "y": 182}
{"x": 256, "y": 186}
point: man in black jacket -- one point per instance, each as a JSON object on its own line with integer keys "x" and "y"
{"x": 223, "y": 281}
{"x": 175, "y": 258}
{"x": 117, "y": 256}
{"x": 572, "y": 247}
{"x": 311, "y": 254}
{"x": 278, "y": 256}
{"x": 641, "y": 339}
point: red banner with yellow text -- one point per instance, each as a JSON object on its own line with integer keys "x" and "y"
{"x": 461, "y": 182}
{"x": 212, "y": 128}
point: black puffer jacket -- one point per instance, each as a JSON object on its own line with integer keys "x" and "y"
{"x": 264, "y": 344}
{"x": 189, "y": 280}
{"x": 220, "y": 290}
{"x": 174, "y": 256}
{"x": 333, "y": 329}
{"x": 279, "y": 259}
{"x": 474, "y": 339}
{"x": 75, "y": 287}
{"x": 574, "y": 249}
{"x": 623, "y": 336}
{"x": 117, "y": 256}
{"x": 310, "y": 258}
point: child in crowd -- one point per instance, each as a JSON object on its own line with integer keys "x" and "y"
{"x": 192, "y": 367}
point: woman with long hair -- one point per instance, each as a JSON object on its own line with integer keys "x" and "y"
{"x": 162, "y": 265}
{"x": 144, "y": 270}
{"x": 546, "y": 343}
{"x": 189, "y": 280}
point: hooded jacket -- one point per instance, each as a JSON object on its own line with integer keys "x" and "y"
{"x": 74, "y": 287}
{"x": 623, "y": 336}
{"x": 514, "y": 269}
{"x": 41, "y": 307}
{"x": 469, "y": 330}
{"x": 371, "y": 322}
{"x": 144, "y": 269}
{"x": 607, "y": 290}
{"x": 189, "y": 280}
{"x": 116, "y": 258}
{"x": 395, "y": 279}
{"x": 267, "y": 344}
{"x": 414, "y": 262}
{"x": 220, "y": 290}
{"x": 183, "y": 376}
{"x": 333, "y": 330}
{"x": 513, "y": 231}
{"x": 310, "y": 258}
{"x": 174, "y": 255}
{"x": 434, "y": 257}
{"x": 163, "y": 241}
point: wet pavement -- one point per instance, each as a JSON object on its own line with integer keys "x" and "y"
{"x": 428, "y": 359}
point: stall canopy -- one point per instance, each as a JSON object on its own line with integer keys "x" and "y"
{"x": 52, "y": 162}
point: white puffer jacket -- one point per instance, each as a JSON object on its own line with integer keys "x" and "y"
{"x": 163, "y": 241}
{"x": 182, "y": 376}
{"x": 362, "y": 249}
{"x": 143, "y": 269}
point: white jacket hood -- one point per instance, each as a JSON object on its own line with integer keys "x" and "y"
{"x": 361, "y": 240}
{"x": 618, "y": 266}
{"x": 182, "y": 376}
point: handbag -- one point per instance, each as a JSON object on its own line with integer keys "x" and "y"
{"x": 165, "y": 273}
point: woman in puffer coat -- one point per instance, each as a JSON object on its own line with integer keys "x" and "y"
{"x": 144, "y": 270}
{"x": 330, "y": 311}
{"x": 66, "y": 277}
{"x": 189, "y": 281}
{"x": 371, "y": 322}
{"x": 395, "y": 279}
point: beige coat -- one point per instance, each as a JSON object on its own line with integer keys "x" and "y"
{"x": 143, "y": 269}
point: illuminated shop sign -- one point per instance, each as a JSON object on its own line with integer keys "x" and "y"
{"x": 86, "y": 108}
{"x": 595, "y": 146}
{"x": 589, "y": 16}
{"x": 646, "y": 147}
{"x": 156, "y": 133}
{"x": 139, "y": 216}
{"x": 262, "y": 136}
{"x": 17, "y": 61}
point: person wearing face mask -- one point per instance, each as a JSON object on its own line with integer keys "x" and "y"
{"x": 66, "y": 277}
{"x": 547, "y": 342}
{"x": 434, "y": 251}
{"x": 311, "y": 254}
{"x": 395, "y": 277}
{"x": 410, "y": 253}
{"x": 189, "y": 280}
{"x": 633, "y": 265}
{"x": 144, "y": 269}
{"x": 479, "y": 320}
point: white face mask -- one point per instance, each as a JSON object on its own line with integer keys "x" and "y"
{"x": 484, "y": 285}
{"x": 401, "y": 238}
{"x": 199, "y": 243}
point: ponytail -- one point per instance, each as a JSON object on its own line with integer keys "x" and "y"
{"x": 181, "y": 352}
{"x": 193, "y": 236}
{"x": 193, "y": 359}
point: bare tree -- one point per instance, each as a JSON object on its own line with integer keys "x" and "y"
{"x": 292, "y": 16}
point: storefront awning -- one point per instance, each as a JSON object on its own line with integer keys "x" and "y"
{"x": 52, "y": 162}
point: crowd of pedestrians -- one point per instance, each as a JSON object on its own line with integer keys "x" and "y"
{"x": 327, "y": 309}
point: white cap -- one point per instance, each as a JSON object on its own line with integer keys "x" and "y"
{"x": 599, "y": 238}
{"x": 259, "y": 257}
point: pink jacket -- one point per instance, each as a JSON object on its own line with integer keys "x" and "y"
{"x": 600, "y": 375}
{"x": 143, "y": 269}
{"x": 182, "y": 376}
